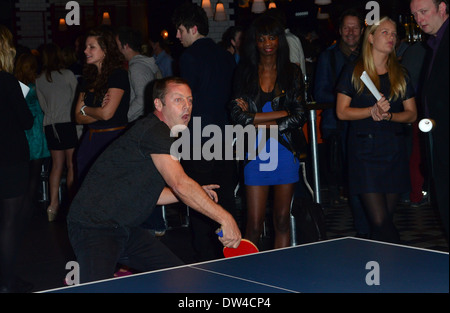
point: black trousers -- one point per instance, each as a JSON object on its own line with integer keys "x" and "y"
{"x": 98, "y": 250}
{"x": 223, "y": 173}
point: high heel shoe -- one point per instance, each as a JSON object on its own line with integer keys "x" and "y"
{"x": 51, "y": 213}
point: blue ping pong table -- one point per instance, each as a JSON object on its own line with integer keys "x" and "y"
{"x": 344, "y": 265}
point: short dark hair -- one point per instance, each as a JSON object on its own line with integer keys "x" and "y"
{"x": 160, "y": 87}
{"x": 131, "y": 37}
{"x": 351, "y": 12}
{"x": 438, "y": 2}
{"x": 190, "y": 15}
{"x": 229, "y": 35}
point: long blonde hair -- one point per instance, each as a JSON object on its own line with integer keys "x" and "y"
{"x": 7, "y": 50}
{"x": 396, "y": 71}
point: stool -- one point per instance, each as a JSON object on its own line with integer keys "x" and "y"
{"x": 184, "y": 223}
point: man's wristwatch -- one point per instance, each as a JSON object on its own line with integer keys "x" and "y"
{"x": 82, "y": 110}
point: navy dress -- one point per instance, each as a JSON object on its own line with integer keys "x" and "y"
{"x": 377, "y": 154}
{"x": 92, "y": 144}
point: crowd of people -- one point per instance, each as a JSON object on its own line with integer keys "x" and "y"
{"x": 121, "y": 169}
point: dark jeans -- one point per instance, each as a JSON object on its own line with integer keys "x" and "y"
{"x": 98, "y": 250}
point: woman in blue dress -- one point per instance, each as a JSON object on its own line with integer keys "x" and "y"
{"x": 269, "y": 91}
{"x": 377, "y": 156}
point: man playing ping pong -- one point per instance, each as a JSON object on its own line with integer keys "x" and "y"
{"x": 133, "y": 175}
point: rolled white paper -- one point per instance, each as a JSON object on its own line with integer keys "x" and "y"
{"x": 426, "y": 125}
{"x": 25, "y": 89}
{"x": 369, "y": 84}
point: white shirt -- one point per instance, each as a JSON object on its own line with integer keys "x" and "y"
{"x": 296, "y": 54}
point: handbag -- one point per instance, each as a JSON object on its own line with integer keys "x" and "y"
{"x": 310, "y": 220}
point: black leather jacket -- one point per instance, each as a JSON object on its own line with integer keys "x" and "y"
{"x": 291, "y": 101}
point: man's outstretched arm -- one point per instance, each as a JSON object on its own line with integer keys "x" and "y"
{"x": 193, "y": 195}
{"x": 167, "y": 196}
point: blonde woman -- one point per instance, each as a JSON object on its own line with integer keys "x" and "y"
{"x": 378, "y": 162}
{"x": 15, "y": 118}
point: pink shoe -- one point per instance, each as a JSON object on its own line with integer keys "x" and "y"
{"x": 122, "y": 272}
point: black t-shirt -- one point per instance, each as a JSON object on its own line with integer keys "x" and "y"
{"x": 118, "y": 79}
{"x": 123, "y": 185}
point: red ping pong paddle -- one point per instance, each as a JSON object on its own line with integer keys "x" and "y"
{"x": 245, "y": 247}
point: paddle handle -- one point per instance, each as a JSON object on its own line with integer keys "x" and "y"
{"x": 219, "y": 232}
